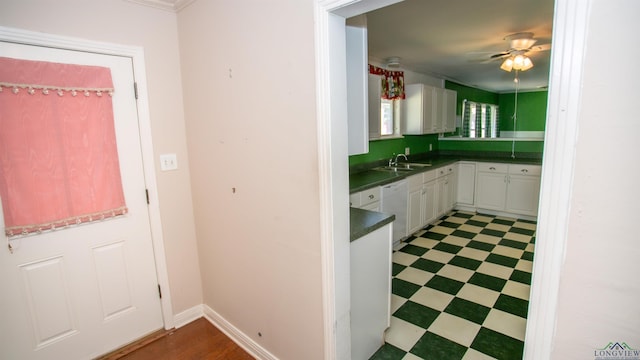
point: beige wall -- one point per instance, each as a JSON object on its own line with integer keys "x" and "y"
{"x": 248, "y": 71}
{"x": 599, "y": 289}
{"x": 124, "y": 23}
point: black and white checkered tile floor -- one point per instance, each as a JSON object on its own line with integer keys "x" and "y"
{"x": 461, "y": 289}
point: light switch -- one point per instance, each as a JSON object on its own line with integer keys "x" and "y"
{"x": 168, "y": 162}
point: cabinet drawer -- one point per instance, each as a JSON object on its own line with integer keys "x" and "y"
{"x": 354, "y": 199}
{"x": 429, "y": 175}
{"x": 445, "y": 170}
{"x": 518, "y": 169}
{"x": 493, "y": 167}
{"x": 369, "y": 196}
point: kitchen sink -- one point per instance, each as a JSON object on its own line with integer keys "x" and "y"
{"x": 401, "y": 167}
{"x": 394, "y": 168}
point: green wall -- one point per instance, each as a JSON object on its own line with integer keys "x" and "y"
{"x": 384, "y": 149}
{"x": 472, "y": 94}
{"x": 532, "y": 113}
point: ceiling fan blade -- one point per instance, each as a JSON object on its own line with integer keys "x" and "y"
{"x": 542, "y": 47}
{"x": 499, "y": 55}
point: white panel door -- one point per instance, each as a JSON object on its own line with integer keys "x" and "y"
{"x": 83, "y": 291}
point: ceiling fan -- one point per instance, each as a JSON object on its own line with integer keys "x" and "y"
{"x": 521, "y": 43}
{"x": 521, "y": 46}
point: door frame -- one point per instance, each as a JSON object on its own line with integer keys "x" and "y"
{"x": 144, "y": 123}
{"x": 570, "y": 24}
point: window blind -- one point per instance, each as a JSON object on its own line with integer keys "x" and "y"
{"x": 480, "y": 120}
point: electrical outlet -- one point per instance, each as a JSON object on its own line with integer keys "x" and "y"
{"x": 407, "y": 150}
{"x": 168, "y": 162}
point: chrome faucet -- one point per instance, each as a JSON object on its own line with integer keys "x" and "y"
{"x": 394, "y": 160}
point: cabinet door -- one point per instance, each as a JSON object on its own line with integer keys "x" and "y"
{"x": 429, "y": 202}
{"x": 437, "y": 114}
{"x": 491, "y": 191}
{"x": 419, "y": 110}
{"x": 449, "y": 110}
{"x": 523, "y": 194}
{"x": 414, "y": 211}
{"x": 375, "y": 94}
{"x": 466, "y": 183}
{"x": 442, "y": 187}
{"x": 357, "y": 89}
{"x": 452, "y": 187}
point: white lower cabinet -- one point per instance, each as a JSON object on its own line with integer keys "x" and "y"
{"x": 370, "y": 291}
{"x": 512, "y": 188}
{"x": 446, "y": 187}
{"x": 414, "y": 204}
{"x": 466, "y": 183}
{"x": 509, "y": 189}
{"x": 491, "y": 186}
{"x": 523, "y": 190}
{"x": 430, "y": 195}
{"x": 429, "y": 202}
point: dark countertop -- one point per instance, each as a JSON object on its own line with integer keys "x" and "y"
{"x": 364, "y": 178}
{"x": 366, "y": 221}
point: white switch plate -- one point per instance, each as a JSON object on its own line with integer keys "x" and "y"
{"x": 168, "y": 162}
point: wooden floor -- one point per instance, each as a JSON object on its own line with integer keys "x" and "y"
{"x": 197, "y": 340}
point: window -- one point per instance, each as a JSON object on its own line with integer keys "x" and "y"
{"x": 480, "y": 120}
{"x": 389, "y": 118}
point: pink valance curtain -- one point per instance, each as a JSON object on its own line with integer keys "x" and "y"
{"x": 392, "y": 82}
{"x": 58, "y": 155}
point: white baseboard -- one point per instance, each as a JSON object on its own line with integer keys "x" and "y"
{"x": 187, "y": 316}
{"x": 240, "y": 338}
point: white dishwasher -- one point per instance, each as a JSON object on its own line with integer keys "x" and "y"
{"x": 394, "y": 201}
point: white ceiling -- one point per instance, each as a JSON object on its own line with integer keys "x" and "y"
{"x": 450, "y": 39}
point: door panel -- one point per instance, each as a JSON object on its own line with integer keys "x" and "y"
{"x": 48, "y": 300}
{"x": 79, "y": 292}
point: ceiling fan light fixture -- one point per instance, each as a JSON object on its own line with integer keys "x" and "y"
{"x": 519, "y": 62}
{"x": 507, "y": 64}
{"x": 393, "y": 62}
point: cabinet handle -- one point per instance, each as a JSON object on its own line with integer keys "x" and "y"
{"x": 492, "y": 168}
{"x": 371, "y": 196}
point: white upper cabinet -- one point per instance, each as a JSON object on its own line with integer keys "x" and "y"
{"x": 374, "y": 100}
{"x": 428, "y": 110}
{"x": 419, "y": 110}
{"x": 449, "y": 100}
{"x": 357, "y": 85}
